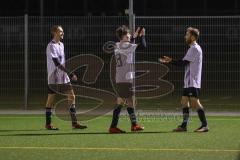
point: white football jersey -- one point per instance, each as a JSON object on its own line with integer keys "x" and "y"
{"x": 124, "y": 53}
{"x": 56, "y": 75}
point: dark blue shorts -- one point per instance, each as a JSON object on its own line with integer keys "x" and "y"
{"x": 124, "y": 90}
{"x": 191, "y": 92}
{"x": 59, "y": 88}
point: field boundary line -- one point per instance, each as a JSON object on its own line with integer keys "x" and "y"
{"x": 124, "y": 149}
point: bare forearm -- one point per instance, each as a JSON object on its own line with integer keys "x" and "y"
{"x": 60, "y": 66}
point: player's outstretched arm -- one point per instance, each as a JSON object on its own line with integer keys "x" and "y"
{"x": 139, "y": 37}
{"x": 180, "y": 62}
{"x": 167, "y": 60}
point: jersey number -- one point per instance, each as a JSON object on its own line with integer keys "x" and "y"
{"x": 118, "y": 60}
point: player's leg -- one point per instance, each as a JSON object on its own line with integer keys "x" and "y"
{"x": 117, "y": 109}
{"x": 185, "y": 111}
{"x": 132, "y": 115}
{"x": 116, "y": 112}
{"x": 115, "y": 118}
{"x": 194, "y": 101}
{"x": 49, "y": 108}
{"x": 72, "y": 109}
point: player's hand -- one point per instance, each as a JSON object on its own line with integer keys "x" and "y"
{"x": 135, "y": 35}
{"x": 74, "y": 78}
{"x": 165, "y": 59}
{"x": 142, "y": 33}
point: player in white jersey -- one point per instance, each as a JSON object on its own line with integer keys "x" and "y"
{"x": 192, "y": 62}
{"x": 58, "y": 79}
{"x": 124, "y": 54}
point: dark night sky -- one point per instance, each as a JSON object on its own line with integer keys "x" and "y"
{"x": 117, "y": 7}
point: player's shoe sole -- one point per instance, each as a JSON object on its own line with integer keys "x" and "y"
{"x": 137, "y": 128}
{"x": 202, "y": 129}
{"x": 51, "y": 127}
{"x": 115, "y": 130}
{"x": 79, "y": 126}
{"x": 180, "y": 129}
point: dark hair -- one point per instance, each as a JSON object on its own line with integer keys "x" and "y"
{"x": 122, "y": 31}
{"x": 194, "y": 32}
{"x": 54, "y": 28}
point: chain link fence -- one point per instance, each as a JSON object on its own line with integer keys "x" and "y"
{"x": 220, "y": 40}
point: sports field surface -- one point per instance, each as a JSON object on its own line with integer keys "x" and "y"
{"x": 23, "y": 137}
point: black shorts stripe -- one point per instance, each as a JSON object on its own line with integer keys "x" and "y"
{"x": 124, "y": 90}
{"x": 191, "y": 92}
{"x": 59, "y": 88}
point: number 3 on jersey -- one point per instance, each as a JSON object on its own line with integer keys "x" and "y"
{"x": 118, "y": 60}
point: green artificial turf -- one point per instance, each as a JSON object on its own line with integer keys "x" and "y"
{"x": 23, "y": 137}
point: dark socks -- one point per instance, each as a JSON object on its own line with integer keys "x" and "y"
{"x": 185, "y": 117}
{"x": 48, "y": 116}
{"x": 72, "y": 111}
{"x": 132, "y": 115}
{"x": 116, "y": 113}
{"x": 202, "y": 117}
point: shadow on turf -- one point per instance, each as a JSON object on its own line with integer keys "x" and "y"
{"x": 86, "y": 133}
{"x": 14, "y": 130}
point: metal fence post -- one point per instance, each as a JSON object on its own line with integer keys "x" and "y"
{"x": 132, "y": 29}
{"x": 25, "y": 61}
{"x": 131, "y": 17}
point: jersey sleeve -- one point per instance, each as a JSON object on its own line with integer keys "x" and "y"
{"x": 133, "y": 48}
{"x": 141, "y": 41}
{"x": 53, "y": 51}
{"x": 191, "y": 55}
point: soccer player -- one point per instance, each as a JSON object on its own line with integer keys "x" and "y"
{"x": 58, "y": 79}
{"x": 192, "y": 80}
{"x": 124, "y": 53}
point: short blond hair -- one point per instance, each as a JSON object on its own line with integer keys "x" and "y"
{"x": 194, "y": 32}
{"x": 54, "y": 29}
{"x": 122, "y": 31}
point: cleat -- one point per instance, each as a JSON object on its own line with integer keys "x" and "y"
{"x": 116, "y": 130}
{"x": 180, "y": 129}
{"x": 50, "y": 127}
{"x": 78, "y": 126}
{"x": 136, "y": 128}
{"x": 202, "y": 129}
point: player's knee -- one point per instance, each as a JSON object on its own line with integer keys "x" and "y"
{"x": 130, "y": 102}
{"x": 199, "y": 105}
{"x": 50, "y": 101}
{"x": 120, "y": 101}
{"x": 194, "y": 102}
{"x": 49, "y": 104}
{"x": 71, "y": 97}
{"x": 184, "y": 102}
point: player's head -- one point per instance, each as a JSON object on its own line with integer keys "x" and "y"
{"x": 57, "y": 32}
{"x": 123, "y": 33}
{"x": 192, "y": 35}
